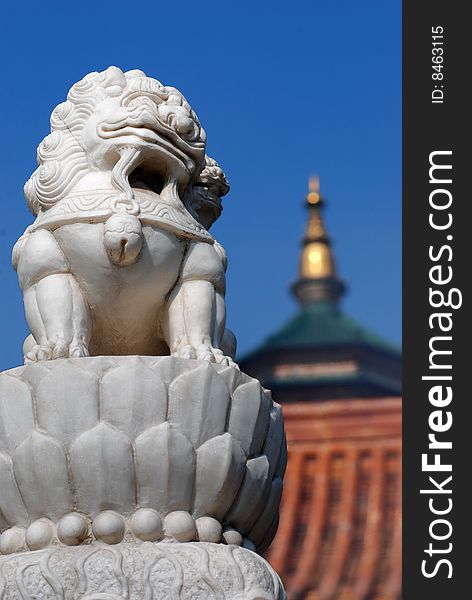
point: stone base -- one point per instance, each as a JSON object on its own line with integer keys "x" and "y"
{"x": 84, "y": 436}
{"x": 147, "y": 571}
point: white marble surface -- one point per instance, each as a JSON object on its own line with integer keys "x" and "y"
{"x": 119, "y": 259}
{"x": 103, "y": 438}
{"x": 140, "y": 572}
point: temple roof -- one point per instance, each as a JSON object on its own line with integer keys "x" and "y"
{"x": 322, "y": 323}
{"x": 339, "y": 384}
{"x": 340, "y": 521}
{"x": 321, "y": 352}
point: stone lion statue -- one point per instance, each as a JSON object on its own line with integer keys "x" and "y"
{"x": 119, "y": 259}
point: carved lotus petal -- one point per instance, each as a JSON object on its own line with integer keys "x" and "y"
{"x": 103, "y": 470}
{"x": 165, "y": 469}
{"x": 249, "y": 416}
{"x": 233, "y": 377}
{"x": 283, "y": 456}
{"x": 260, "y": 529}
{"x": 255, "y": 487}
{"x": 12, "y": 508}
{"x": 32, "y": 374}
{"x": 40, "y": 468}
{"x": 275, "y": 438}
{"x": 198, "y": 404}
{"x": 16, "y": 412}
{"x": 67, "y": 401}
{"x": 221, "y": 465}
{"x": 133, "y": 398}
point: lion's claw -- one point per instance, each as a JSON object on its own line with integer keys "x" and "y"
{"x": 60, "y": 348}
{"x": 186, "y": 351}
{"x": 78, "y": 351}
{"x": 43, "y": 353}
{"x": 205, "y": 352}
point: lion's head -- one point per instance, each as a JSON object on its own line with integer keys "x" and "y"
{"x": 104, "y": 115}
{"x": 204, "y": 198}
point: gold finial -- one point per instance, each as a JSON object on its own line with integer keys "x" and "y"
{"x": 316, "y": 259}
{"x": 313, "y": 190}
{"x": 317, "y": 278}
{"x": 314, "y": 183}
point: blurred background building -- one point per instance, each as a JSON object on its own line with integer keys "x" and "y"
{"x": 339, "y": 536}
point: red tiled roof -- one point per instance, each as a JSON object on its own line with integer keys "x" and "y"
{"x": 340, "y": 528}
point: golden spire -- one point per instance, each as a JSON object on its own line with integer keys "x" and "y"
{"x": 313, "y": 189}
{"x": 317, "y": 277}
{"x": 316, "y": 259}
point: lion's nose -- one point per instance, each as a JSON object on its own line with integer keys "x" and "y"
{"x": 179, "y": 119}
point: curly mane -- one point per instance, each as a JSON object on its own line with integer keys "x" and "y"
{"x": 62, "y": 160}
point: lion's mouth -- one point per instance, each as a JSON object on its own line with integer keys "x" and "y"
{"x": 147, "y": 134}
{"x": 152, "y": 133}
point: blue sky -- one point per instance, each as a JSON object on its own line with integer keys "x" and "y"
{"x": 282, "y": 89}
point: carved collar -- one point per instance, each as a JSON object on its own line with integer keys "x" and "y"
{"x": 97, "y": 207}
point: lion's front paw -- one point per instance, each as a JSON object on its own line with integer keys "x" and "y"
{"x": 207, "y": 352}
{"x": 215, "y": 355}
{"x": 204, "y": 351}
{"x": 49, "y": 351}
{"x": 185, "y": 351}
{"x": 60, "y": 347}
{"x": 78, "y": 350}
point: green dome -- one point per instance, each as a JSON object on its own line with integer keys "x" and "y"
{"x": 322, "y": 324}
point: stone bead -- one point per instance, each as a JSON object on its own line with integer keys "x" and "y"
{"x": 209, "y": 530}
{"x": 146, "y": 524}
{"x": 109, "y": 527}
{"x": 39, "y": 534}
{"x": 12, "y": 540}
{"x": 231, "y": 536}
{"x": 180, "y": 525}
{"x": 72, "y": 529}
